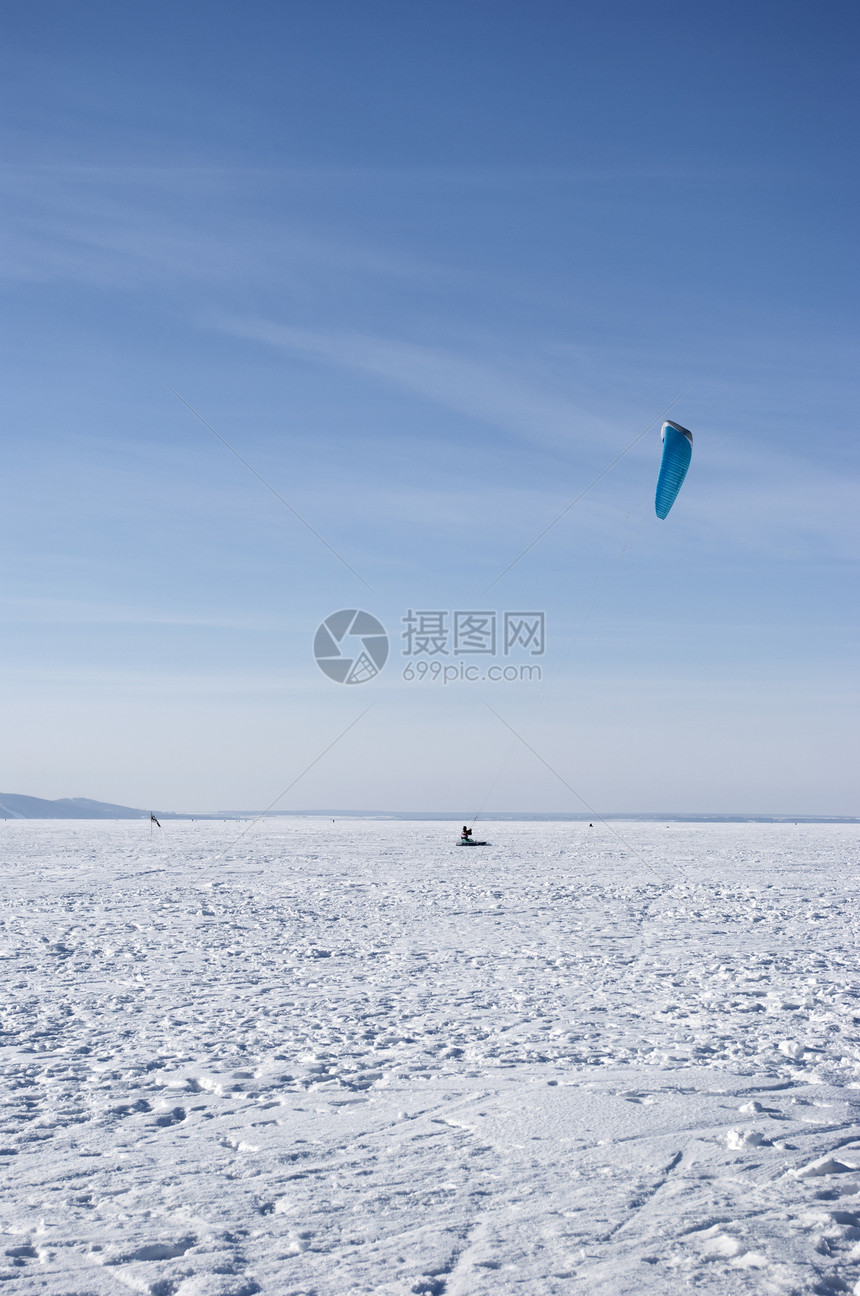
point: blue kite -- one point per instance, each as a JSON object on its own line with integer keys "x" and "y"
{"x": 677, "y": 452}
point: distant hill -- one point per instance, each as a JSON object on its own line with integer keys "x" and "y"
{"x": 13, "y": 806}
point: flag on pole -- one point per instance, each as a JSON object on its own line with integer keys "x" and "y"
{"x": 152, "y": 819}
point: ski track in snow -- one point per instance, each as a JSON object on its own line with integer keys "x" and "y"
{"x": 354, "y": 1058}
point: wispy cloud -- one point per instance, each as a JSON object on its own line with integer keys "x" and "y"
{"x": 484, "y": 391}
{"x": 782, "y": 505}
{"x": 109, "y": 680}
{"x": 50, "y": 611}
{"x": 138, "y": 227}
{"x": 750, "y": 492}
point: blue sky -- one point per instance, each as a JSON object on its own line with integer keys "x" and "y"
{"x": 429, "y": 270}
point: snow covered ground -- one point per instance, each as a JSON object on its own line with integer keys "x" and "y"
{"x": 353, "y": 1057}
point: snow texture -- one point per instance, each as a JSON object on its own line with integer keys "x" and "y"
{"x": 328, "y": 1058}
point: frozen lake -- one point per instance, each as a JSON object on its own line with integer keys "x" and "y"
{"x": 353, "y": 1057}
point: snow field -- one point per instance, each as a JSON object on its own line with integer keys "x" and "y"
{"x": 352, "y": 1057}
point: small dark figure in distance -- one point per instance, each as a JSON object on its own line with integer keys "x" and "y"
{"x": 467, "y": 833}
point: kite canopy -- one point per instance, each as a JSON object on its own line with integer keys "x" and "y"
{"x": 677, "y": 452}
